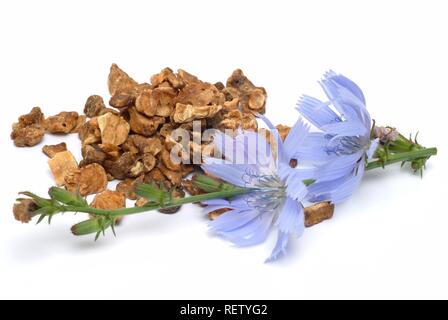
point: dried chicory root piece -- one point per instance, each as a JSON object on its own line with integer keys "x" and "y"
{"x": 62, "y": 164}
{"x": 251, "y": 98}
{"x": 51, "y": 150}
{"x": 30, "y": 129}
{"x": 94, "y": 106}
{"x": 114, "y": 129}
{"x": 187, "y": 112}
{"x": 90, "y": 179}
{"x": 317, "y": 213}
{"x": 109, "y": 200}
{"x": 64, "y": 122}
{"x": 127, "y": 187}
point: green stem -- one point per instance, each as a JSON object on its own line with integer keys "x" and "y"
{"x": 149, "y": 207}
{"x": 403, "y": 156}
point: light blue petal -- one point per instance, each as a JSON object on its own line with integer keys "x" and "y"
{"x": 350, "y": 85}
{"x": 295, "y": 138}
{"x": 345, "y": 190}
{"x": 295, "y": 188}
{"x": 346, "y": 128}
{"x": 280, "y": 247}
{"x": 251, "y": 233}
{"x": 316, "y": 112}
{"x": 336, "y": 190}
{"x": 313, "y": 155}
{"x": 232, "y": 173}
{"x": 291, "y": 219}
{"x": 346, "y": 98}
{"x": 339, "y": 167}
{"x": 299, "y": 173}
{"x": 217, "y": 202}
{"x": 232, "y": 220}
{"x": 373, "y": 146}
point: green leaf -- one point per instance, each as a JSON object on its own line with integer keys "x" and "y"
{"x": 66, "y": 197}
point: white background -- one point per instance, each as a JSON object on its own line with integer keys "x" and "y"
{"x": 388, "y": 241}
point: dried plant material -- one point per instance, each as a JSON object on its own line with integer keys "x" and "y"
{"x": 123, "y": 99}
{"x": 142, "y": 145}
{"x": 217, "y": 213}
{"x": 232, "y": 120}
{"x": 163, "y": 101}
{"x": 90, "y": 132}
{"x": 94, "y": 105}
{"x": 51, "y": 150}
{"x": 30, "y": 129}
{"x": 149, "y": 162}
{"x": 112, "y": 151}
{"x": 92, "y": 154}
{"x": 137, "y": 169}
{"x": 63, "y": 122}
{"x": 283, "y": 131}
{"x": 114, "y": 129}
{"x": 109, "y": 200}
{"x": 167, "y": 75}
{"x": 165, "y": 156}
{"x": 186, "y": 169}
{"x": 232, "y": 104}
{"x": 61, "y": 164}
{"x": 119, "y": 80}
{"x": 79, "y": 124}
{"x": 144, "y": 103}
{"x": 186, "y": 77}
{"x": 143, "y": 125}
{"x": 219, "y": 85}
{"x": 187, "y": 112}
{"x": 141, "y": 202}
{"x": 257, "y": 99}
{"x": 251, "y": 98}
{"x": 156, "y": 102}
{"x": 121, "y": 168}
{"x": 35, "y": 117}
{"x": 176, "y": 193}
{"x": 189, "y": 186}
{"x": 90, "y": 179}
{"x": 24, "y": 210}
{"x": 154, "y": 146}
{"x": 318, "y": 213}
{"x": 156, "y": 176}
{"x": 127, "y": 187}
{"x": 174, "y": 177}
{"x": 200, "y": 94}
{"x": 249, "y": 122}
{"x": 110, "y": 110}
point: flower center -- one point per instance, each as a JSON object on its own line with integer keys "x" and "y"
{"x": 347, "y": 145}
{"x": 271, "y": 191}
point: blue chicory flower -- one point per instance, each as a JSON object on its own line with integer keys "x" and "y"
{"x": 342, "y": 142}
{"x": 278, "y": 189}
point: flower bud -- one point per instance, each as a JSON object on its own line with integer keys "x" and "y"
{"x": 24, "y": 210}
